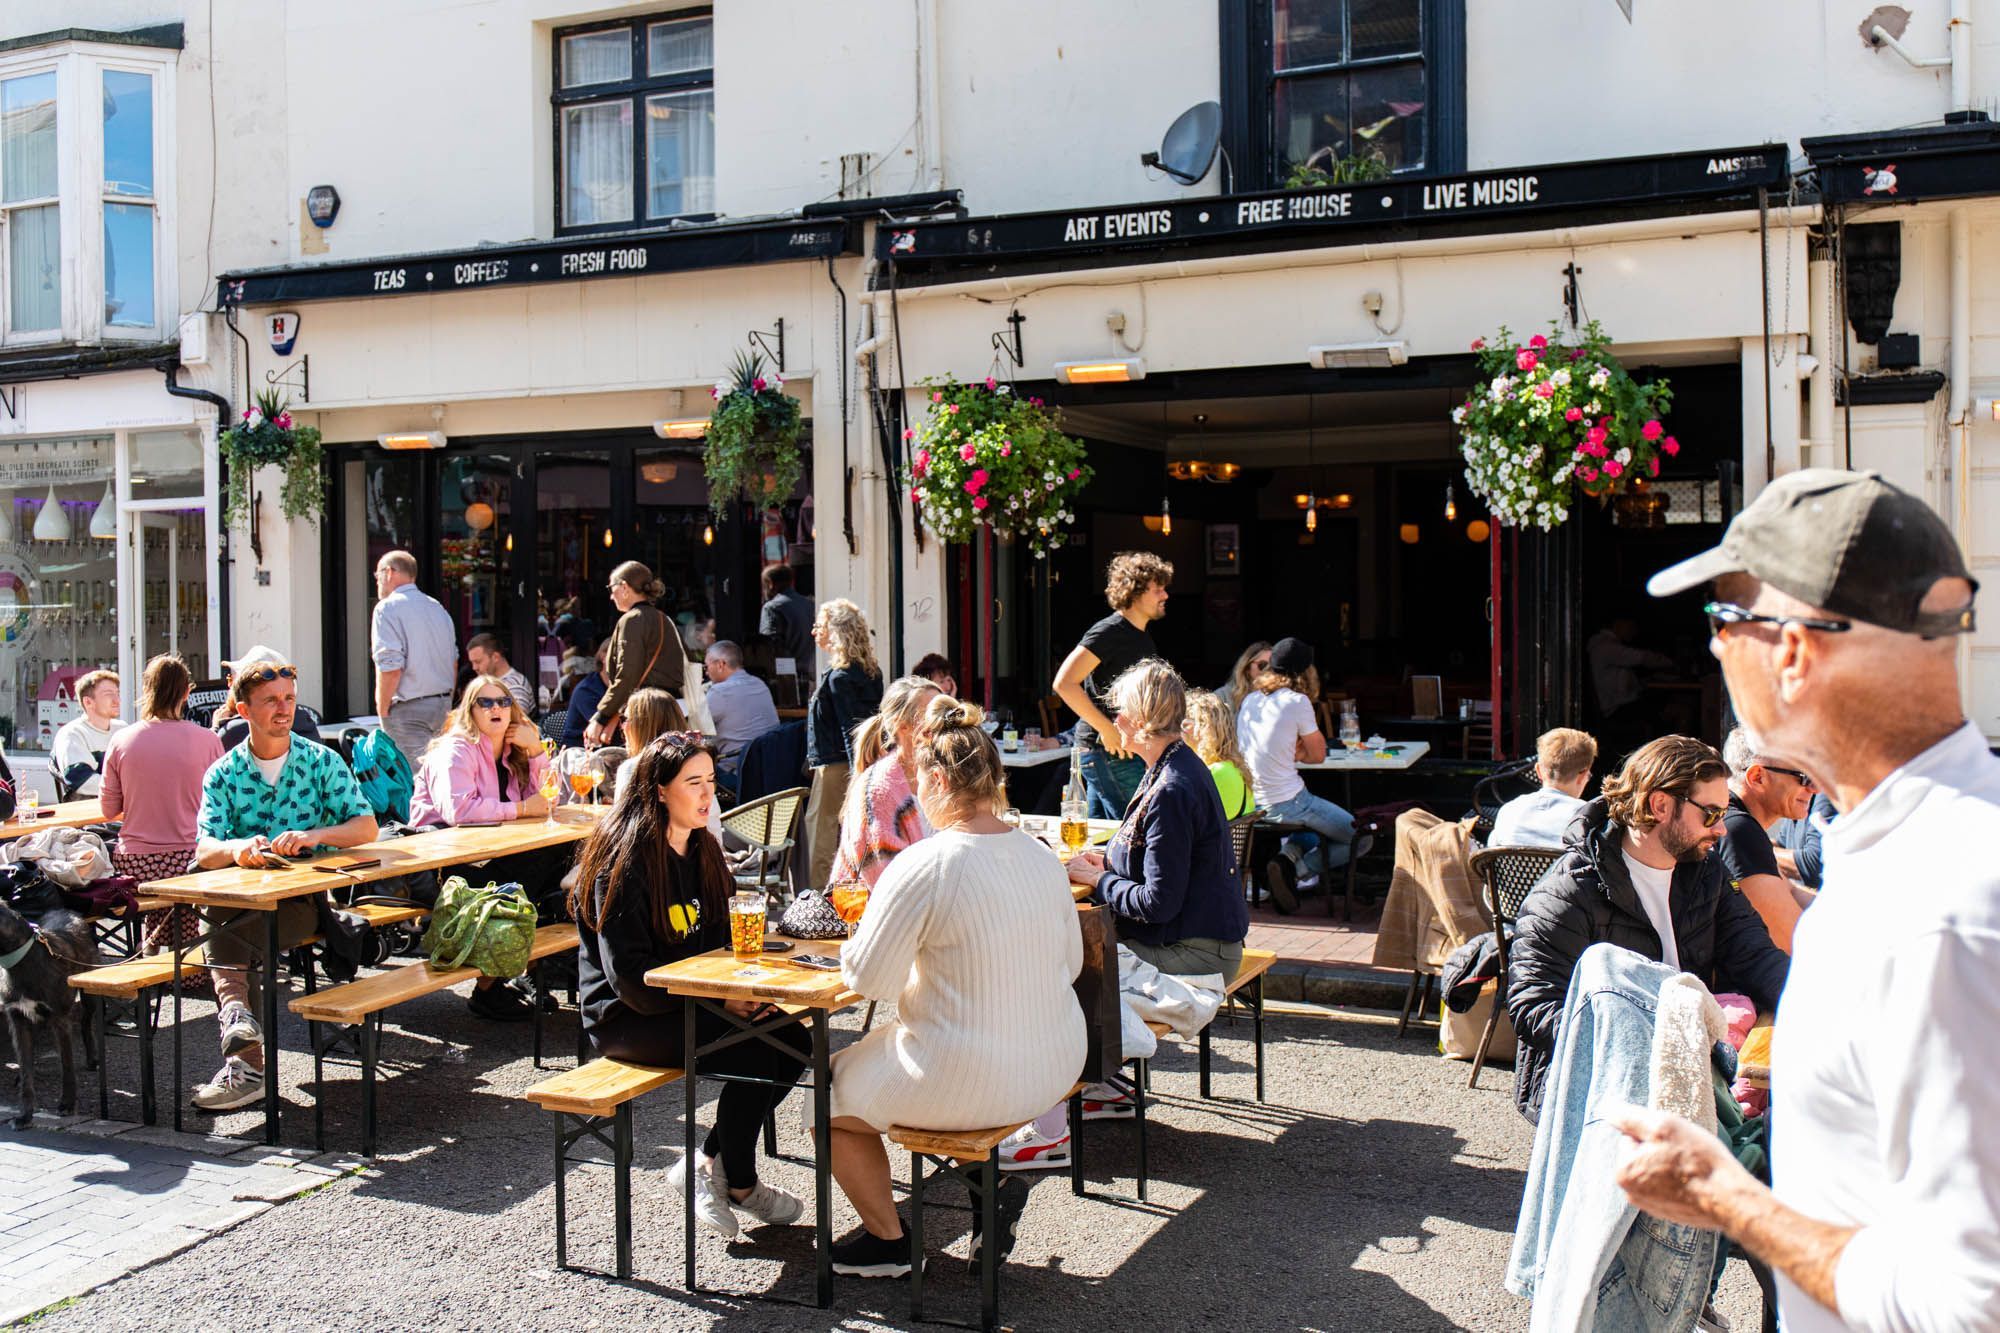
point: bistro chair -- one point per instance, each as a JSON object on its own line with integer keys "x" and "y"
{"x": 768, "y": 826}
{"x": 1492, "y": 792}
{"x": 1508, "y": 873}
{"x": 1048, "y": 711}
{"x": 1241, "y": 830}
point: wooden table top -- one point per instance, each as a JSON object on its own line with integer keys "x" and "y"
{"x": 235, "y": 886}
{"x": 70, "y": 814}
{"x": 774, "y": 978}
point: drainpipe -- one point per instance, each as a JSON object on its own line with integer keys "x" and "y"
{"x": 1959, "y": 411}
{"x": 1959, "y": 61}
{"x": 172, "y": 370}
{"x": 927, "y": 77}
{"x": 1819, "y": 340}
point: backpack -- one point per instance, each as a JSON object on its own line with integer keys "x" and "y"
{"x": 384, "y": 774}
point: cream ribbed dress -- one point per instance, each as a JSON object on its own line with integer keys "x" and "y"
{"x": 975, "y": 937}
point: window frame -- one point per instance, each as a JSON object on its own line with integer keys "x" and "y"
{"x": 1249, "y": 87}
{"x": 80, "y": 67}
{"x": 633, "y": 91}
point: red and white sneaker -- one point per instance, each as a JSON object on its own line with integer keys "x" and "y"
{"x": 1104, "y": 1103}
{"x": 1027, "y": 1150}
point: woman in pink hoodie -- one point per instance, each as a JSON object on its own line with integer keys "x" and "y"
{"x": 486, "y": 768}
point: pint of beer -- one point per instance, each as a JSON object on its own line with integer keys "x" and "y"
{"x": 746, "y": 926}
{"x": 1075, "y": 827}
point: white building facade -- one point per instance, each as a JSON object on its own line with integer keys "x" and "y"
{"x": 558, "y": 225}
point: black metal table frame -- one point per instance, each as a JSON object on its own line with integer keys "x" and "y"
{"x": 267, "y": 1002}
{"x": 761, "y": 1028}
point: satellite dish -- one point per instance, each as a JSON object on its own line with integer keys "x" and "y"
{"x": 1188, "y": 150}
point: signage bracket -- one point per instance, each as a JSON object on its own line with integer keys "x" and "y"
{"x": 295, "y": 376}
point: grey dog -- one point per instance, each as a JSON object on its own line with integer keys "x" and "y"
{"x": 35, "y": 994}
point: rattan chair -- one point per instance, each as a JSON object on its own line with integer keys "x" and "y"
{"x": 769, "y": 826}
{"x": 1241, "y": 830}
{"x": 1507, "y": 873}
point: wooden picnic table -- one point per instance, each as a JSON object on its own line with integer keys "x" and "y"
{"x": 712, "y": 979}
{"x": 69, "y": 814}
{"x": 245, "y": 889}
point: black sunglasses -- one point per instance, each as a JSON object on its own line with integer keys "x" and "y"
{"x": 488, "y": 701}
{"x": 1721, "y": 615}
{"x": 1803, "y": 779}
{"x": 1711, "y": 815}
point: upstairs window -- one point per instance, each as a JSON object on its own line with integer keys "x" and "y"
{"x": 30, "y": 204}
{"x": 635, "y": 122}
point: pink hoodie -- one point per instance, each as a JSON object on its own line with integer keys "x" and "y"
{"x": 457, "y": 783}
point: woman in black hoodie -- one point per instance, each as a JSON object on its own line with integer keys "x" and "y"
{"x": 652, "y": 888}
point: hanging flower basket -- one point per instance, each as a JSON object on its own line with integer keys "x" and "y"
{"x": 984, "y": 455}
{"x": 752, "y": 448}
{"x": 1550, "y": 419}
{"x": 266, "y": 437}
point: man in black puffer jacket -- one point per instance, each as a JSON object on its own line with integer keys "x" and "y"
{"x": 1637, "y": 874}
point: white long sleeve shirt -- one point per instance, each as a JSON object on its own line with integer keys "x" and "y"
{"x": 1885, "y": 1088}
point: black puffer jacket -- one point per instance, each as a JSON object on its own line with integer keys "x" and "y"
{"x": 1587, "y": 898}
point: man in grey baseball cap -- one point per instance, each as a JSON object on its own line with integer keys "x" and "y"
{"x": 1837, "y": 607}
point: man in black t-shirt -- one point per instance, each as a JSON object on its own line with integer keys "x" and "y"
{"x": 1762, "y": 792}
{"x": 1135, "y": 585}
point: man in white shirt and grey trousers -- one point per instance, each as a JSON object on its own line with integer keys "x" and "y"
{"x": 415, "y": 648}
{"x": 1838, "y": 605}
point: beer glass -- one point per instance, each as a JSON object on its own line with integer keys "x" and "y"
{"x": 746, "y": 925}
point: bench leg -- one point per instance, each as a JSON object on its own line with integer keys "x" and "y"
{"x": 621, "y": 1154}
{"x": 99, "y": 1022}
{"x": 690, "y": 1081}
{"x": 535, "y": 997}
{"x": 1139, "y": 1085}
{"x": 149, "y": 1111}
{"x": 916, "y": 1236}
{"x": 771, "y": 1133}
{"x": 1202, "y": 1058}
{"x": 315, "y": 1035}
{"x": 1076, "y": 1144}
{"x": 562, "y": 1195}
{"x": 371, "y": 1034}
{"x": 1257, "y": 1022}
{"x": 991, "y": 1241}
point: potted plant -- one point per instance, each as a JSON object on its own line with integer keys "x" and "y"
{"x": 752, "y": 447}
{"x": 985, "y": 455}
{"x": 1550, "y": 419}
{"x": 267, "y": 436}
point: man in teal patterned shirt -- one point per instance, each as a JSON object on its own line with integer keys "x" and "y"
{"x": 275, "y": 794}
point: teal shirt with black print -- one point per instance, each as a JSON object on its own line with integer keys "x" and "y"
{"x": 315, "y": 789}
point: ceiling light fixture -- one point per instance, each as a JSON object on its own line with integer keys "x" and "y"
{"x": 1120, "y": 371}
{"x": 104, "y": 520}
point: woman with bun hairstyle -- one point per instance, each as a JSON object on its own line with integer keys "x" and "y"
{"x": 974, "y": 935}
{"x": 645, "y": 649}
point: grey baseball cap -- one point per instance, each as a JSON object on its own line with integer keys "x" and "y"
{"x": 1848, "y": 542}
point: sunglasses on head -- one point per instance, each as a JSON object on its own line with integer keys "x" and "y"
{"x": 1722, "y": 615}
{"x": 679, "y": 740}
{"x": 268, "y": 672}
{"x": 1711, "y": 815}
{"x": 488, "y": 701}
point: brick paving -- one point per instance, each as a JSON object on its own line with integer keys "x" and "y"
{"x": 84, "y": 1202}
{"x": 1312, "y": 938}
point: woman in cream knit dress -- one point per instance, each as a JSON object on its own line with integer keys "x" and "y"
{"x": 974, "y": 934}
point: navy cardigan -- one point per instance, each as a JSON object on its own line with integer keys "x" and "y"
{"x": 1170, "y": 874}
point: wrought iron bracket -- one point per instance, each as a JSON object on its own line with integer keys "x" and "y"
{"x": 761, "y": 339}
{"x": 294, "y": 377}
{"x": 1573, "y": 295}
{"x": 1001, "y": 339}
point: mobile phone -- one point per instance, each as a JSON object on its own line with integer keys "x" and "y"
{"x": 273, "y": 861}
{"x": 818, "y": 963}
{"x": 777, "y": 946}
{"x": 343, "y": 867}
{"x": 44, "y": 814}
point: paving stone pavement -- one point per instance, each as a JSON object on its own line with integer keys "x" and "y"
{"x": 84, "y": 1202}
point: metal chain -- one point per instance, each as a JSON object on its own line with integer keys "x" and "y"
{"x": 1779, "y": 356}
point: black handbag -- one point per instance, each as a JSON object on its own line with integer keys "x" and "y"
{"x": 28, "y": 891}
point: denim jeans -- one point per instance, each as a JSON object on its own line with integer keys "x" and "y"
{"x": 1334, "y": 826}
{"x": 1580, "y": 1245}
{"x": 1110, "y": 783}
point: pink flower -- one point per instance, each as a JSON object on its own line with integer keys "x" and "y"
{"x": 1479, "y": 344}
{"x": 936, "y": 397}
{"x": 1670, "y": 446}
{"x": 246, "y": 414}
{"x": 967, "y": 453}
{"x": 972, "y": 488}
{"x": 1035, "y": 401}
{"x": 1587, "y": 473}
{"x": 923, "y": 458}
{"x": 1651, "y": 431}
{"x": 909, "y": 434}
{"x": 979, "y": 502}
{"x": 1526, "y": 361}
{"x": 1006, "y": 450}
{"x": 1653, "y": 464}
{"x": 1538, "y": 342}
{"x": 1574, "y": 414}
{"x": 1596, "y": 435}
{"x": 1613, "y": 468}
{"x": 1075, "y": 472}
{"x": 979, "y": 475}
{"x": 284, "y": 421}
{"x": 916, "y": 497}
{"x": 1576, "y": 354}
{"x": 1545, "y": 390}
{"x": 989, "y": 382}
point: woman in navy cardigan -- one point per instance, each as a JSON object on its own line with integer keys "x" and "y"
{"x": 1170, "y": 876}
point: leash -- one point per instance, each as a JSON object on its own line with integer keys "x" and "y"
{"x": 13, "y": 957}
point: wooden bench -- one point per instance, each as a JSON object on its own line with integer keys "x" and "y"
{"x": 349, "y": 1019}
{"x": 594, "y": 1096}
{"x": 1249, "y": 976}
{"x": 973, "y": 1155}
{"x": 134, "y": 982}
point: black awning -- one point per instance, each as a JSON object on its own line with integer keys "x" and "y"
{"x": 1907, "y": 166}
{"x": 1487, "y": 200}
{"x": 628, "y": 255}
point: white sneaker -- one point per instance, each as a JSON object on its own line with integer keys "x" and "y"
{"x": 770, "y": 1205}
{"x": 240, "y": 1031}
{"x": 711, "y": 1198}
{"x": 1026, "y": 1150}
{"x": 235, "y": 1084}
{"x": 1104, "y": 1103}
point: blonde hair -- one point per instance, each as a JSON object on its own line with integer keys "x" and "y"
{"x": 1240, "y": 682}
{"x": 1130, "y": 573}
{"x": 520, "y": 759}
{"x": 960, "y": 757}
{"x": 649, "y": 713}
{"x": 1306, "y": 682}
{"x": 903, "y": 705}
{"x": 1152, "y": 696}
{"x": 1565, "y": 752}
{"x": 1210, "y": 730}
{"x": 1672, "y": 764}
{"x": 849, "y": 643}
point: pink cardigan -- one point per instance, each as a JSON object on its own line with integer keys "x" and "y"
{"x": 457, "y": 783}
{"x": 880, "y": 819}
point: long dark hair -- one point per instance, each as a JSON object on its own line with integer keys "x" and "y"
{"x": 632, "y": 840}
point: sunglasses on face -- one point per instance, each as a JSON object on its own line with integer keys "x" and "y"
{"x": 1260, "y": 664}
{"x": 1722, "y": 615}
{"x": 1803, "y": 779}
{"x": 497, "y": 705}
{"x": 1711, "y": 815}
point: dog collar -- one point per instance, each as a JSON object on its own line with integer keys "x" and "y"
{"x": 8, "y": 960}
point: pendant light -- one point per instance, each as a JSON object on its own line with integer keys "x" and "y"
{"x": 1166, "y": 459}
{"x": 1312, "y": 495}
{"x": 52, "y": 524}
{"x": 6, "y": 517}
{"x": 1450, "y": 504}
{"x": 708, "y": 534}
{"x": 104, "y": 519}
